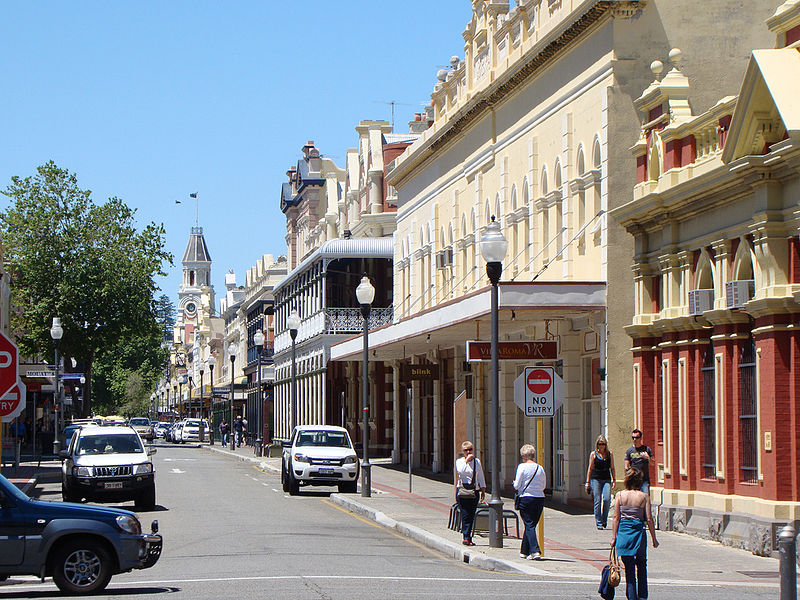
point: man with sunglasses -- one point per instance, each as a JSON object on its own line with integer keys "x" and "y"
{"x": 639, "y": 456}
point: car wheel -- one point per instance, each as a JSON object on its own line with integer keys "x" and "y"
{"x": 147, "y": 499}
{"x": 350, "y": 487}
{"x": 294, "y": 484}
{"x": 81, "y": 567}
{"x": 68, "y": 495}
{"x": 284, "y": 478}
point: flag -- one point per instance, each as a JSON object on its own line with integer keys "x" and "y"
{"x": 193, "y": 195}
{"x": 177, "y": 201}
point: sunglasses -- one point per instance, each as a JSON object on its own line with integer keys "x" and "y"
{"x": 468, "y": 450}
{"x": 636, "y": 437}
{"x": 601, "y": 443}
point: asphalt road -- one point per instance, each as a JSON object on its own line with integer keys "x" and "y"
{"x": 229, "y": 530}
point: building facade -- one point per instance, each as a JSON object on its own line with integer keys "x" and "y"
{"x": 716, "y": 355}
{"x": 533, "y": 127}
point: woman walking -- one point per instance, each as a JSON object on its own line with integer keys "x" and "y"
{"x": 530, "y": 482}
{"x": 632, "y": 511}
{"x": 470, "y": 488}
{"x": 600, "y": 478}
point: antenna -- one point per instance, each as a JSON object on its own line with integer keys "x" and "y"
{"x": 392, "y": 103}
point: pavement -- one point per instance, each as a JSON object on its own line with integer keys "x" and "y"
{"x": 573, "y": 547}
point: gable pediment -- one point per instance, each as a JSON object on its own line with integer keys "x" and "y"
{"x": 768, "y": 106}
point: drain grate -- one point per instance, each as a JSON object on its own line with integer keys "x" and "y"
{"x": 761, "y": 574}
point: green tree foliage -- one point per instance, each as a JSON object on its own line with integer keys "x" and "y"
{"x": 83, "y": 262}
{"x": 165, "y": 316}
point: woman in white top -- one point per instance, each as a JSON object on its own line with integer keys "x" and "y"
{"x": 470, "y": 487}
{"x": 529, "y": 483}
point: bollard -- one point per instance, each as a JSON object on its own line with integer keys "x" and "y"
{"x": 788, "y": 551}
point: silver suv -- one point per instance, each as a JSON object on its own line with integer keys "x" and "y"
{"x": 108, "y": 464}
{"x": 319, "y": 455}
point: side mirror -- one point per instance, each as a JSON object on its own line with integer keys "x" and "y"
{"x": 151, "y": 451}
{"x": 286, "y": 444}
{"x": 63, "y": 454}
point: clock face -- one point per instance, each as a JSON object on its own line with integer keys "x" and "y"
{"x": 191, "y": 308}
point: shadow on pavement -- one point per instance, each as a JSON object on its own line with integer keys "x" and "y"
{"x": 111, "y": 591}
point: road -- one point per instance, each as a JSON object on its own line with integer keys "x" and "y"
{"x": 229, "y": 530}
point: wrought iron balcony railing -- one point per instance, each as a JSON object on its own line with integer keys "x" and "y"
{"x": 349, "y": 320}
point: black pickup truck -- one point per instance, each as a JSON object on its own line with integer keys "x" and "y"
{"x": 79, "y": 546}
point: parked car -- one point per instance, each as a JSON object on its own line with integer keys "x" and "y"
{"x": 108, "y": 464}
{"x": 160, "y": 430}
{"x": 319, "y": 455}
{"x": 176, "y": 433}
{"x": 191, "y": 430}
{"x": 142, "y": 426}
{"x": 80, "y": 547}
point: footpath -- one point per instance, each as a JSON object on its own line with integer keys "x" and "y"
{"x": 573, "y": 547}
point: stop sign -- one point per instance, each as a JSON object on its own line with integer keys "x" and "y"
{"x": 539, "y": 381}
{"x": 8, "y": 364}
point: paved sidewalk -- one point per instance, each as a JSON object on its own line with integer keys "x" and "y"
{"x": 574, "y": 548}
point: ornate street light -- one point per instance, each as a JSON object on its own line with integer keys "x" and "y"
{"x": 232, "y": 349}
{"x": 212, "y": 361}
{"x": 200, "y": 411}
{"x": 293, "y": 324}
{"x": 56, "y": 333}
{"x": 258, "y": 341}
{"x": 493, "y": 250}
{"x": 365, "y": 293}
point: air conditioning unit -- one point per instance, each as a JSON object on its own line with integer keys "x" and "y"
{"x": 738, "y": 292}
{"x": 700, "y": 301}
{"x": 441, "y": 260}
{"x": 448, "y": 256}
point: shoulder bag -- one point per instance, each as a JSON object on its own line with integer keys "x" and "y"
{"x": 613, "y": 567}
{"x": 468, "y": 490}
{"x": 517, "y": 495}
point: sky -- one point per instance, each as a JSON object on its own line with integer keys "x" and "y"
{"x": 151, "y": 101}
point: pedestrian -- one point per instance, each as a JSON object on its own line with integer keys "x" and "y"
{"x": 530, "y": 482}
{"x": 600, "y": 479}
{"x": 639, "y": 456}
{"x": 631, "y": 512}
{"x": 470, "y": 488}
{"x": 238, "y": 429}
{"x": 224, "y": 428}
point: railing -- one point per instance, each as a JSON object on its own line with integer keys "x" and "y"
{"x": 349, "y": 320}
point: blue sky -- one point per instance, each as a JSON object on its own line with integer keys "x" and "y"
{"x": 150, "y": 101}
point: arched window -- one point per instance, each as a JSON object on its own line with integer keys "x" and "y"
{"x": 597, "y": 159}
{"x": 544, "y": 181}
{"x": 488, "y": 213}
{"x": 514, "y": 197}
{"x": 580, "y": 161}
{"x": 557, "y": 174}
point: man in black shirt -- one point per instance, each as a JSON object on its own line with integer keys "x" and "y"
{"x": 639, "y": 456}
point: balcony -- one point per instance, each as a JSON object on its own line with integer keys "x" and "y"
{"x": 349, "y": 320}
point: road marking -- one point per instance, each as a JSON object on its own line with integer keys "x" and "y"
{"x": 182, "y": 459}
{"x": 177, "y": 471}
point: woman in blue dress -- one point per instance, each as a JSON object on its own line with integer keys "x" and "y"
{"x": 631, "y": 512}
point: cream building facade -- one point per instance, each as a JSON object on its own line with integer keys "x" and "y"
{"x": 533, "y": 126}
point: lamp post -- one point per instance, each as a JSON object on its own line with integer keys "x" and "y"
{"x": 293, "y": 323}
{"x": 56, "y": 332}
{"x": 232, "y": 348}
{"x": 258, "y": 340}
{"x": 493, "y": 250}
{"x": 200, "y": 411}
{"x": 365, "y": 293}
{"x": 212, "y": 361}
{"x": 180, "y": 395}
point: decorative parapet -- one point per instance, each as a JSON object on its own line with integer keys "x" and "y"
{"x": 349, "y": 320}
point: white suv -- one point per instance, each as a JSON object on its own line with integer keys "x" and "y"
{"x": 319, "y": 455}
{"x": 191, "y": 430}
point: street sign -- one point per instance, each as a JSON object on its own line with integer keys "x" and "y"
{"x": 12, "y": 403}
{"x": 8, "y": 364}
{"x": 538, "y": 391}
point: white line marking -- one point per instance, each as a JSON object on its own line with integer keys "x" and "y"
{"x": 177, "y": 471}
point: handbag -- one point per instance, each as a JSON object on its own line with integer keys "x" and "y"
{"x": 467, "y": 490}
{"x": 518, "y": 495}
{"x": 613, "y": 568}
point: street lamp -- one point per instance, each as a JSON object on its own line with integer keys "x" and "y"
{"x": 211, "y": 363}
{"x": 232, "y": 348}
{"x": 258, "y": 340}
{"x": 200, "y": 415}
{"x": 493, "y": 250}
{"x": 180, "y": 395}
{"x": 365, "y": 293}
{"x": 56, "y": 332}
{"x": 293, "y": 323}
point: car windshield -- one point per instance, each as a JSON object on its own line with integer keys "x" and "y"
{"x": 108, "y": 444}
{"x": 335, "y": 439}
{"x": 164, "y": 425}
{"x": 12, "y": 490}
{"x": 192, "y": 423}
{"x": 140, "y": 421}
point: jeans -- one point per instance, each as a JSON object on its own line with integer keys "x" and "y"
{"x": 646, "y": 487}
{"x": 601, "y": 494}
{"x": 636, "y": 565}
{"x": 467, "y": 507}
{"x": 224, "y": 439}
{"x": 530, "y": 510}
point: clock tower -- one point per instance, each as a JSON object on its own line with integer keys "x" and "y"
{"x": 196, "y": 289}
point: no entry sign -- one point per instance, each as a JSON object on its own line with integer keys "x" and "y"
{"x": 539, "y": 381}
{"x": 535, "y": 391}
{"x": 12, "y": 403}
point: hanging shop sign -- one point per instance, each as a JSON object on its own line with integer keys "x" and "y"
{"x": 533, "y": 350}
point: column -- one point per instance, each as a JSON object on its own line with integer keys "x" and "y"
{"x": 438, "y": 429}
{"x": 397, "y": 417}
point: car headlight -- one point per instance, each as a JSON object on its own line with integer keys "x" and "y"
{"x": 82, "y": 471}
{"x": 302, "y": 458}
{"x": 143, "y": 468}
{"x": 350, "y": 460}
{"x": 129, "y": 524}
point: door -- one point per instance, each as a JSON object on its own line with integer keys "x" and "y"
{"x": 12, "y": 532}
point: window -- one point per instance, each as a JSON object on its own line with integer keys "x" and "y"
{"x": 748, "y": 412}
{"x": 709, "y": 415}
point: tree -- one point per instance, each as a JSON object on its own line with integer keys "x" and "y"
{"x": 165, "y": 316}
{"x": 78, "y": 260}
